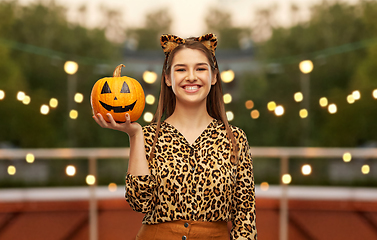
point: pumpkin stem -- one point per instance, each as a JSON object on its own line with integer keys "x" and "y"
{"x": 117, "y": 70}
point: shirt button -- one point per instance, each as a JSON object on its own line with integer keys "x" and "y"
{"x": 186, "y": 225}
{"x": 184, "y": 238}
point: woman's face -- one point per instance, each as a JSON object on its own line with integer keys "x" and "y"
{"x": 191, "y": 76}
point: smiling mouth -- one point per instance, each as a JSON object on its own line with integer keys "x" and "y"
{"x": 191, "y": 87}
{"x": 118, "y": 109}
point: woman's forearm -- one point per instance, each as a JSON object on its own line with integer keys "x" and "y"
{"x": 138, "y": 164}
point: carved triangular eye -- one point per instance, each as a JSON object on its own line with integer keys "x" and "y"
{"x": 125, "y": 88}
{"x": 105, "y": 88}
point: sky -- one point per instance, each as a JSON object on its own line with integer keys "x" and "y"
{"x": 188, "y": 15}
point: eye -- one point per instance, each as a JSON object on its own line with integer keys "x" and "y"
{"x": 105, "y": 88}
{"x": 202, "y": 69}
{"x": 180, "y": 70}
{"x": 125, "y": 88}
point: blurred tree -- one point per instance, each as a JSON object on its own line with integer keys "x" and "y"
{"x": 219, "y": 22}
{"x": 147, "y": 37}
{"x": 331, "y": 25}
{"x": 38, "y": 40}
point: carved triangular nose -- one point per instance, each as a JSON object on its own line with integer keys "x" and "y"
{"x": 115, "y": 98}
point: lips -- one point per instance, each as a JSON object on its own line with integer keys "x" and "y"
{"x": 118, "y": 109}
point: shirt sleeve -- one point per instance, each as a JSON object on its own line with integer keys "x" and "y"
{"x": 244, "y": 226}
{"x": 140, "y": 189}
{"x": 139, "y": 192}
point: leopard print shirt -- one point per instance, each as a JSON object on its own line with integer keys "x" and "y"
{"x": 196, "y": 182}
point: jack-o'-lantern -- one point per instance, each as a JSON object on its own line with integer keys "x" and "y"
{"x": 118, "y": 95}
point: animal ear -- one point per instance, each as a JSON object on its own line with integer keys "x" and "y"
{"x": 169, "y": 42}
{"x": 209, "y": 40}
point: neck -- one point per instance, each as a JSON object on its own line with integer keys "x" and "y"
{"x": 187, "y": 116}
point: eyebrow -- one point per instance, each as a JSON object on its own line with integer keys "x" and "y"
{"x": 184, "y": 65}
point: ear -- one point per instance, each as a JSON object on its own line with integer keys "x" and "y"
{"x": 167, "y": 81}
{"x": 209, "y": 40}
{"x": 214, "y": 79}
{"x": 169, "y": 42}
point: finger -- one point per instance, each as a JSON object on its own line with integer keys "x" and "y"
{"x": 128, "y": 118}
{"x": 101, "y": 121}
{"x": 112, "y": 121}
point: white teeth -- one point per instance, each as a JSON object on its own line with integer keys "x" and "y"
{"x": 191, "y": 87}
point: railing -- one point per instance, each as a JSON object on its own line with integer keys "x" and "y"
{"x": 92, "y": 154}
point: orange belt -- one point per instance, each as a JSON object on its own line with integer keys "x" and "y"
{"x": 185, "y": 230}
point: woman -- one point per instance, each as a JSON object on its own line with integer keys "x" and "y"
{"x": 196, "y": 174}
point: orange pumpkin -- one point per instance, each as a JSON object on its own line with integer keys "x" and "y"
{"x": 118, "y": 95}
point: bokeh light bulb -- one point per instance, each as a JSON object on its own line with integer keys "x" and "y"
{"x": 279, "y": 110}
{"x": 332, "y": 108}
{"x": 71, "y": 67}
{"x": 79, "y": 97}
{"x": 30, "y": 158}
{"x": 2, "y": 94}
{"x": 323, "y": 102}
{"x": 90, "y": 179}
{"x": 45, "y": 109}
{"x": 112, "y": 187}
{"x": 306, "y": 169}
{"x": 306, "y": 66}
{"x": 249, "y": 104}
{"x": 365, "y": 169}
{"x": 347, "y": 157}
{"x": 229, "y": 115}
{"x": 254, "y": 114}
{"x": 150, "y": 99}
{"x": 148, "y": 117}
{"x": 286, "y": 178}
{"x": 264, "y": 186}
{"x": 271, "y": 106}
{"x": 70, "y": 170}
{"x": 53, "y": 102}
{"x": 298, "y": 97}
{"x": 227, "y": 98}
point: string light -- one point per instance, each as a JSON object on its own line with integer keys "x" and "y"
{"x": 306, "y": 66}
{"x": 306, "y": 169}
{"x": 79, "y": 97}
{"x": 70, "y": 170}
{"x": 30, "y": 158}
{"x": 112, "y": 187}
{"x": 249, "y": 104}
{"x": 271, "y": 106}
{"x": 332, "y": 108}
{"x": 365, "y": 169}
{"x": 286, "y": 178}
{"x": 323, "y": 102}
{"x": 350, "y": 99}
{"x": 53, "y": 102}
{"x": 227, "y": 98}
{"x": 356, "y": 95}
{"x": 254, "y": 114}
{"x": 2, "y": 94}
{"x": 303, "y": 113}
{"x": 26, "y": 100}
{"x": 347, "y": 157}
{"x": 73, "y": 114}
{"x": 298, "y": 96}
{"x": 148, "y": 117}
{"x": 45, "y": 109}
{"x": 11, "y": 170}
{"x": 149, "y": 77}
{"x": 71, "y": 67}
{"x": 20, "y": 96}
{"x": 279, "y": 110}
{"x": 230, "y": 115}
{"x": 227, "y": 76}
{"x": 374, "y": 94}
{"x": 90, "y": 179}
{"x": 150, "y": 99}
{"x": 264, "y": 186}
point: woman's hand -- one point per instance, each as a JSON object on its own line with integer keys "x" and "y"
{"x": 130, "y": 128}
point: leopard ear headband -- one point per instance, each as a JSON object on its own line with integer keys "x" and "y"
{"x": 170, "y": 42}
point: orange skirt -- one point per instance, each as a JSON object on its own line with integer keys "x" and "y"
{"x": 185, "y": 230}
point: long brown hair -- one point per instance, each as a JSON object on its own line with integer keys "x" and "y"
{"x": 215, "y": 102}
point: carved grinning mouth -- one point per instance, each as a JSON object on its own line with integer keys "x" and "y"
{"x": 118, "y": 109}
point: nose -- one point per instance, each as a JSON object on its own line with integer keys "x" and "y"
{"x": 191, "y": 75}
